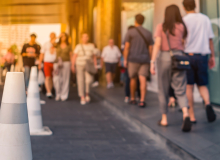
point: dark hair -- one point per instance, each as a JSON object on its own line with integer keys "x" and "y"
{"x": 67, "y": 38}
{"x": 189, "y": 5}
{"x": 130, "y": 27}
{"x": 33, "y": 35}
{"x": 173, "y": 16}
{"x": 139, "y": 19}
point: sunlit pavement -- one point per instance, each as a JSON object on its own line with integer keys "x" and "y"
{"x": 94, "y": 132}
{"x": 202, "y": 142}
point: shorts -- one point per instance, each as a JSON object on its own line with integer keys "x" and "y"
{"x": 138, "y": 69}
{"x": 110, "y": 67}
{"x": 48, "y": 69}
{"x": 198, "y": 74}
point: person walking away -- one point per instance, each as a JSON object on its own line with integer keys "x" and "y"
{"x": 30, "y": 52}
{"x": 62, "y": 67}
{"x": 127, "y": 79}
{"x": 199, "y": 45}
{"x": 111, "y": 57}
{"x": 173, "y": 31}
{"x": 8, "y": 59}
{"x": 83, "y": 53}
{"x": 138, "y": 48}
{"x": 48, "y": 55}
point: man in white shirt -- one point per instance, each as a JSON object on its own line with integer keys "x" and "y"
{"x": 48, "y": 55}
{"x": 111, "y": 56}
{"x": 199, "y": 47}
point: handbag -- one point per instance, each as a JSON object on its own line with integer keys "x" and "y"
{"x": 179, "y": 62}
{"x": 90, "y": 68}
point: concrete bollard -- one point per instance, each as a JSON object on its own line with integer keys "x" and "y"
{"x": 15, "y": 141}
{"x": 34, "y": 107}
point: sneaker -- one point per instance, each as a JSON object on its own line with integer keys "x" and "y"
{"x": 83, "y": 102}
{"x": 49, "y": 95}
{"x": 57, "y": 98}
{"x": 126, "y": 100}
{"x": 42, "y": 102}
{"x": 112, "y": 85}
{"x": 63, "y": 100}
{"x": 210, "y": 113}
{"x": 108, "y": 86}
{"x": 95, "y": 84}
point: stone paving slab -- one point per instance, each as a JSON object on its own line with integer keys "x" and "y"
{"x": 204, "y": 140}
{"x": 92, "y": 132}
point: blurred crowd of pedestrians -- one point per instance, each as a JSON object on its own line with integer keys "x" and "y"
{"x": 189, "y": 38}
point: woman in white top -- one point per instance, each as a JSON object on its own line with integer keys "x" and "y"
{"x": 83, "y": 52}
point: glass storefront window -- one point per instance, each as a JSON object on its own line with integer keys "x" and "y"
{"x": 211, "y": 8}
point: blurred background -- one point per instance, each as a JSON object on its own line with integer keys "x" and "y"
{"x": 102, "y": 19}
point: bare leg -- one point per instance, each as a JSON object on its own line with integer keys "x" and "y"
{"x": 133, "y": 88}
{"x": 164, "y": 120}
{"x": 189, "y": 93}
{"x": 109, "y": 77}
{"x": 185, "y": 112}
{"x": 204, "y": 92}
{"x": 48, "y": 84}
{"x": 143, "y": 87}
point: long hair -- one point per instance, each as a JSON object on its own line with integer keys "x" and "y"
{"x": 67, "y": 39}
{"x": 173, "y": 16}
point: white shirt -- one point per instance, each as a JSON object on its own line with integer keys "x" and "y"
{"x": 199, "y": 33}
{"x": 84, "y": 53}
{"x": 111, "y": 54}
{"x": 46, "y": 50}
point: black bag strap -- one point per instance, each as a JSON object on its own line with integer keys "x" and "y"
{"x": 168, "y": 40}
{"x": 83, "y": 50}
{"x": 145, "y": 40}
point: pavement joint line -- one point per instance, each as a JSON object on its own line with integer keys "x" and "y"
{"x": 146, "y": 130}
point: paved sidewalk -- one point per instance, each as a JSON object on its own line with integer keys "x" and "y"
{"x": 204, "y": 140}
{"x": 92, "y": 132}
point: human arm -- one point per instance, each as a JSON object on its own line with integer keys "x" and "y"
{"x": 125, "y": 53}
{"x": 41, "y": 57}
{"x": 212, "y": 57}
{"x": 150, "y": 48}
{"x": 156, "y": 50}
{"x": 73, "y": 60}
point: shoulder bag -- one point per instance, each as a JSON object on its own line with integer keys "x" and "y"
{"x": 90, "y": 68}
{"x": 146, "y": 42}
{"x": 179, "y": 62}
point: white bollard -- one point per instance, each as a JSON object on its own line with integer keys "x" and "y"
{"x": 15, "y": 141}
{"x": 34, "y": 107}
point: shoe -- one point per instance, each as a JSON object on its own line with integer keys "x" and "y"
{"x": 133, "y": 102}
{"x": 110, "y": 85}
{"x": 49, "y": 95}
{"x": 42, "y": 102}
{"x": 63, "y": 100}
{"x": 57, "y": 98}
{"x": 210, "y": 113}
{"x": 186, "y": 127}
{"x": 126, "y": 100}
{"x": 83, "y": 102}
{"x": 142, "y": 104}
{"x": 193, "y": 122}
{"x": 88, "y": 99}
{"x": 95, "y": 84}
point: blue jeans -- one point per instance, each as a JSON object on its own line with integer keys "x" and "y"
{"x": 27, "y": 71}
